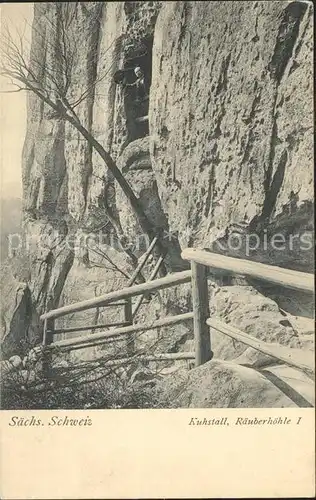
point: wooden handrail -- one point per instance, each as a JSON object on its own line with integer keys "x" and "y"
{"x": 168, "y": 356}
{"x": 114, "y": 304}
{"x": 99, "y": 338}
{"x": 200, "y": 261}
{"x": 230, "y": 265}
{"x": 304, "y": 360}
{"x": 84, "y": 328}
{"x": 124, "y": 293}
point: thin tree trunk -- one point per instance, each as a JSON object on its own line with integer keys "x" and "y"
{"x": 136, "y": 206}
{"x": 106, "y": 157}
{"x": 134, "y": 201}
{"x": 20, "y": 71}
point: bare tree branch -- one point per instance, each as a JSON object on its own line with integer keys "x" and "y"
{"x": 53, "y": 87}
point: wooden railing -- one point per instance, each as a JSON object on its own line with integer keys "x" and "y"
{"x": 201, "y": 262}
{"x": 220, "y": 264}
{"x": 129, "y": 312}
{"x": 124, "y": 293}
{"x": 49, "y": 330}
{"x": 103, "y": 337}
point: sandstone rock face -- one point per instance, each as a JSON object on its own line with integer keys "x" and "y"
{"x": 19, "y": 321}
{"x": 83, "y": 283}
{"x": 67, "y": 188}
{"x": 252, "y": 313}
{"x": 210, "y": 175}
{"x": 135, "y": 163}
{"x": 50, "y": 258}
{"x": 231, "y": 117}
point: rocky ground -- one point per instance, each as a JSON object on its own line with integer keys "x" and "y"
{"x": 229, "y": 152}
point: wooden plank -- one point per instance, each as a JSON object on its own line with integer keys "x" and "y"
{"x": 103, "y": 336}
{"x": 114, "y": 304}
{"x": 174, "y": 356}
{"x": 124, "y": 293}
{"x": 95, "y": 343}
{"x": 304, "y": 360}
{"x": 200, "y": 314}
{"x": 84, "y": 328}
{"x": 230, "y": 265}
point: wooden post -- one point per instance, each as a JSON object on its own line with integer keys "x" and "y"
{"x": 201, "y": 313}
{"x": 47, "y": 340}
{"x": 128, "y": 316}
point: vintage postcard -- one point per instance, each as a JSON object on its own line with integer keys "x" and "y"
{"x": 157, "y": 250}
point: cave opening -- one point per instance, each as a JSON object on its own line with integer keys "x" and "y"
{"x": 135, "y": 78}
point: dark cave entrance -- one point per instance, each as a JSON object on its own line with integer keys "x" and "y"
{"x": 136, "y": 95}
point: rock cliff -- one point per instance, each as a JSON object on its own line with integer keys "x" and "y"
{"x": 230, "y": 116}
{"x": 227, "y": 150}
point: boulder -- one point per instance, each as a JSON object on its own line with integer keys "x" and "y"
{"x": 222, "y": 384}
{"x": 251, "y": 312}
{"x": 15, "y": 361}
{"x": 19, "y": 320}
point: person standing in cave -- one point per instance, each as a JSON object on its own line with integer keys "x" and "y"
{"x": 139, "y": 84}
{"x": 136, "y": 98}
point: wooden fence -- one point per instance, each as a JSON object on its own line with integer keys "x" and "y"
{"x": 201, "y": 262}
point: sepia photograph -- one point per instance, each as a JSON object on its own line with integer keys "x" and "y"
{"x": 157, "y": 208}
